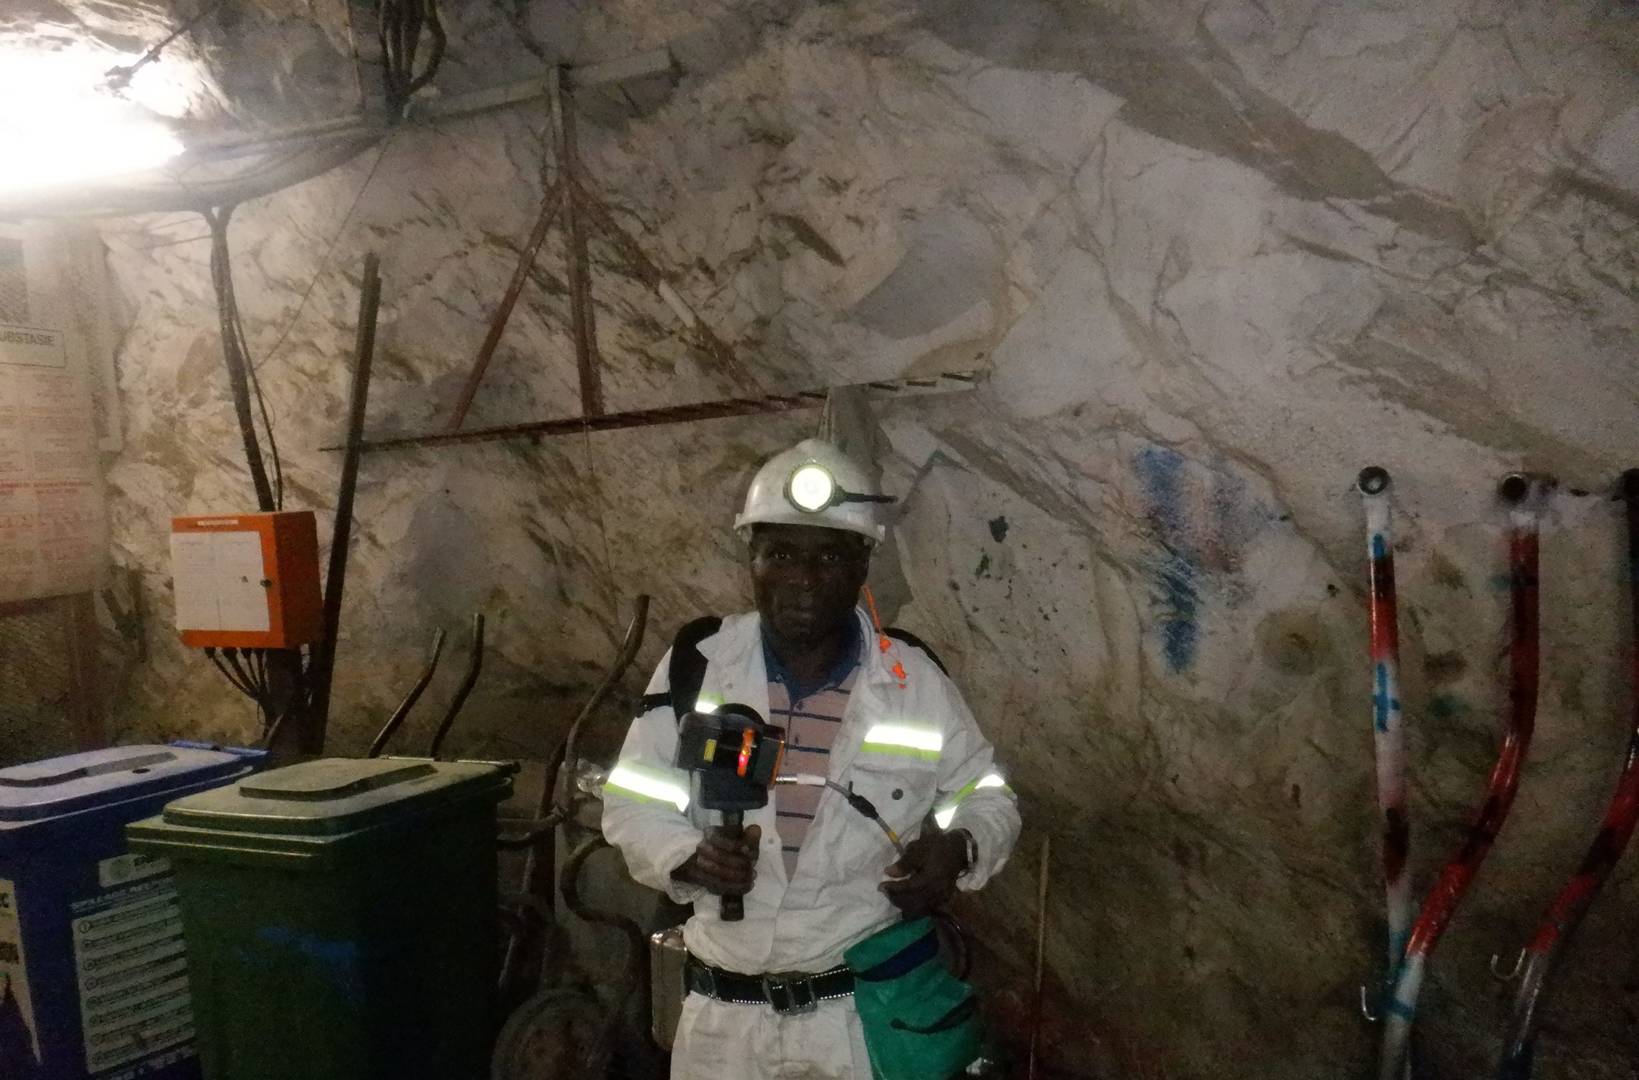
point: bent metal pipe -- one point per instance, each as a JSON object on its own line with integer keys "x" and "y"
{"x": 1524, "y": 496}
{"x": 1548, "y": 945}
{"x": 1388, "y": 720}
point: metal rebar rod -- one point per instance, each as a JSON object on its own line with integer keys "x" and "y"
{"x": 630, "y": 643}
{"x": 1041, "y": 950}
{"x": 666, "y": 414}
{"x": 583, "y": 318}
{"x": 551, "y": 201}
{"x": 475, "y": 665}
{"x": 324, "y": 657}
{"x": 395, "y": 721}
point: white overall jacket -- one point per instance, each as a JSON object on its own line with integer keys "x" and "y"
{"x": 909, "y": 744}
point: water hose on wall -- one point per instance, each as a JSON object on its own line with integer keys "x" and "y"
{"x": 1388, "y": 718}
{"x": 1523, "y": 496}
{"x": 1547, "y": 947}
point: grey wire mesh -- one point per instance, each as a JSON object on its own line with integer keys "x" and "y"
{"x": 35, "y": 685}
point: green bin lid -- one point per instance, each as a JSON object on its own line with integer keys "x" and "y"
{"x": 332, "y": 796}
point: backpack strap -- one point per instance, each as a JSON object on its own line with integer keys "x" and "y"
{"x": 687, "y": 668}
{"x": 917, "y": 643}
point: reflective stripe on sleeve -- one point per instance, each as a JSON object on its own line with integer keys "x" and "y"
{"x": 648, "y": 784}
{"x": 947, "y": 813}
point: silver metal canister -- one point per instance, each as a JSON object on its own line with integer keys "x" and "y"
{"x": 666, "y": 955}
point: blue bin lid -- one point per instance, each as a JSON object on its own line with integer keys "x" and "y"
{"x": 67, "y": 785}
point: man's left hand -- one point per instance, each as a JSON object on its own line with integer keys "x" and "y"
{"x": 924, "y": 878}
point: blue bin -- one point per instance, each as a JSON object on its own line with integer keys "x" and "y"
{"x": 93, "y": 976}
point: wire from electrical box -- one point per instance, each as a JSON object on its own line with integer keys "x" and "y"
{"x": 236, "y": 345}
{"x": 240, "y": 680}
{"x": 324, "y": 260}
{"x": 261, "y": 405}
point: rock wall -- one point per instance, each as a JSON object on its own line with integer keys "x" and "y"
{"x": 1215, "y": 257}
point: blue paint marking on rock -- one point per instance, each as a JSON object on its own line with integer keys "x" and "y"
{"x": 1177, "y": 573}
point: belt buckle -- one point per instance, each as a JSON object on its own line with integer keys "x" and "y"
{"x": 708, "y": 980}
{"x": 797, "y": 992}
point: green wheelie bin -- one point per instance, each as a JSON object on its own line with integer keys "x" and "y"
{"x": 340, "y": 918}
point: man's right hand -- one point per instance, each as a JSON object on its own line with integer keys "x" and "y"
{"x": 722, "y": 866}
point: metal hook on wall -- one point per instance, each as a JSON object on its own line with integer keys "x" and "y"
{"x": 1512, "y": 973}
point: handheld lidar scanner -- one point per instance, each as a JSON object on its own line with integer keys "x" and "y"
{"x": 736, "y": 756}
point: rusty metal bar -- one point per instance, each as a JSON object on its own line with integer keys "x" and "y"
{"x": 666, "y": 414}
{"x": 324, "y": 655}
{"x": 551, "y": 201}
{"x": 583, "y": 319}
{"x": 672, "y": 414}
{"x": 10, "y": 608}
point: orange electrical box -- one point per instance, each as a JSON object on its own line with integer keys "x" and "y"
{"x": 247, "y": 581}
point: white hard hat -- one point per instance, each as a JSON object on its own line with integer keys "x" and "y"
{"x": 813, "y": 483}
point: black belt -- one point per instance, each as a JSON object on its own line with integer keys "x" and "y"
{"x": 788, "y": 992}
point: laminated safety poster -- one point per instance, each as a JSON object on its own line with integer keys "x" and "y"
{"x": 53, "y": 525}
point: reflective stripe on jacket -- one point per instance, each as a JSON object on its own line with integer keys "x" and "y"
{"x": 911, "y": 746}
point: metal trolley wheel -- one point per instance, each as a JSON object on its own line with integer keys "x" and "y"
{"x": 556, "y": 1033}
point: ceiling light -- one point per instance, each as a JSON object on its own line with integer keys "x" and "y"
{"x": 59, "y": 126}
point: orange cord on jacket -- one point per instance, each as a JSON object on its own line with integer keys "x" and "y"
{"x": 883, "y": 641}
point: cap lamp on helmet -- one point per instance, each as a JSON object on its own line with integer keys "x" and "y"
{"x": 812, "y": 489}
{"x": 814, "y": 484}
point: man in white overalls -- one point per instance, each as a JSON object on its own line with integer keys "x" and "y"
{"x": 770, "y": 995}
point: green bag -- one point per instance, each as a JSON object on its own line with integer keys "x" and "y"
{"x": 921, "y": 1022}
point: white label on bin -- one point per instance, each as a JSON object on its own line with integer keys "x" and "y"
{"x": 133, "y": 975}
{"x": 17, "y": 1037}
{"x": 124, "y": 869}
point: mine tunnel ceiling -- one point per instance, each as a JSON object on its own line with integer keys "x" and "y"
{"x": 219, "y": 74}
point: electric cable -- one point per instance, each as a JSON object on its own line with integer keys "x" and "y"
{"x": 243, "y": 688}
{"x": 258, "y": 668}
{"x": 227, "y": 314}
{"x": 329, "y": 248}
{"x": 261, "y": 404}
{"x": 234, "y": 323}
{"x": 859, "y": 802}
{"x": 232, "y": 657}
{"x": 256, "y": 673}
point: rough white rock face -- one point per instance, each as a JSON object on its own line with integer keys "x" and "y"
{"x": 1217, "y": 257}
